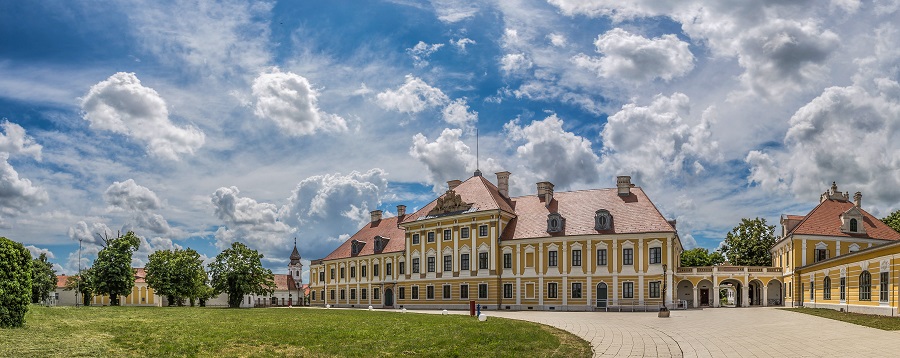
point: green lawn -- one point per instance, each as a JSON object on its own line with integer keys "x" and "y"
{"x": 185, "y": 331}
{"x": 881, "y": 322}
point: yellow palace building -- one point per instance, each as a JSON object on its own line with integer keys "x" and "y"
{"x": 576, "y": 250}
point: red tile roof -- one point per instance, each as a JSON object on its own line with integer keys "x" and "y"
{"x": 630, "y": 214}
{"x": 386, "y": 228}
{"x": 61, "y": 281}
{"x": 285, "y": 282}
{"x": 825, "y": 220}
{"x": 139, "y": 275}
{"x": 478, "y": 191}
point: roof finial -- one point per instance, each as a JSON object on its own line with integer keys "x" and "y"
{"x": 295, "y": 241}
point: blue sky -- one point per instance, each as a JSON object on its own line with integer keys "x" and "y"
{"x": 197, "y": 124}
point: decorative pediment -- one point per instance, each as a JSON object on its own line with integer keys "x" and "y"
{"x": 450, "y": 202}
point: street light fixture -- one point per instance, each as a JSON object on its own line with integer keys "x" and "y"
{"x": 78, "y": 289}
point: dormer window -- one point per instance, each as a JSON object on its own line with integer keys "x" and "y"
{"x": 379, "y": 243}
{"x": 356, "y": 246}
{"x": 555, "y": 223}
{"x": 851, "y": 221}
{"x": 854, "y": 225}
{"x": 602, "y": 220}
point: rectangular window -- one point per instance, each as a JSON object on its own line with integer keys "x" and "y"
{"x": 362, "y": 271}
{"x": 415, "y": 239}
{"x": 483, "y": 230}
{"x": 576, "y": 257}
{"x": 375, "y": 270}
{"x": 883, "y": 283}
{"x": 601, "y": 257}
{"x": 343, "y": 295}
{"x": 448, "y": 263}
{"x": 464, "y": 233}
{"x": 313, "y": 295}
{"x": 446, "y": 292}
{"x": 415, "y": 292}
{"x": 323, "y": 295}
{"x": 507, "y": 290}
{"x": 401, "y": 293}
{"x": 843, "y": 288}
{"x": 352, "y": 293}
{"x": 429, "y": 292}
{"x": 332, "y": 295}
{"x": 402, "y": 268}
{"x": 482, "y": 290}
{"x": 482, "y": 260}
{"x": 464, "y": 262}
{"x": 628, "y": 256}
{"x": 551, "y": 258}
{"x": 431, "y": 264}
{"x": 576, "y": 289}
{"x": 332, "y": 274}
{"x": 552, "y": 290}
{"x": 812, "y": 290}
{"x": 464, "y": 291}
{"x": 655, "y": 255}
{"x": 364, "y": 294}
{"x": 826, "y": 288}
{"x": 343, "y": 272}
{"x": 415, "y": 268}
{"x": 627, "y": 289}
{"x": 431, "y": 236}
{"x": 654, "y": 289}
{"x": 448, "y": 235}
{"x": 376, "y": 293}
{"x": 322, "y": 276}
{"x": 507, "y": 260}
{"x": 387, "y": 269}
{"x": 821, "y": 254}
{"x": 353, "y": 272}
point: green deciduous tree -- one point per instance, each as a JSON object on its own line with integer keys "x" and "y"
{"x": 701, "y": 257}
{"x": 15, "y": 283}
{"x": 84, "y": 283}
{"x": 43, "y": 278}
{"x": 748, "y": 244}
{"x": 238, "y": 271}
{"x": 177, "y": 274}
{"x": 112, "y": 272}
{"x": 893, "y": 220}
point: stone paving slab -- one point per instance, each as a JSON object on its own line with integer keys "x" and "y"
{"x": 716, "y": 332}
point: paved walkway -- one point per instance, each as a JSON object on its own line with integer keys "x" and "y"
{"x": 717, "y": 332}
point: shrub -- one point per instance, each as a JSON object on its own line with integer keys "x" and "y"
{"x": 15, "y": 283}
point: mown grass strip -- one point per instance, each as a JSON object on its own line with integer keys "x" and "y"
{"x": 875, "y": 321}
{"x": 302, "y": 332}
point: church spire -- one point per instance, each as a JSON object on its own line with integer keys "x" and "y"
{"x": 295, "y": 255}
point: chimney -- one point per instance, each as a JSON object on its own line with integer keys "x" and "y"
{"x": 623, "y": 183}
{"x": 376, "y": 215}
{"x": 452, "y": 184}
{"x": 857, "y": 199}
{"x": 545, "y": 191}
{"x": 672, "y": 222}
{"x": 503, "y": 183}
{"x": 401, "y": 211}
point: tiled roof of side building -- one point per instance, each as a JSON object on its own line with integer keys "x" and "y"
{"x": 386, "y": 228}
{"x": 631, "y": 214}
{"x": 61, "y": 280}
{"x": 478, "y": 191}
{"x": 284, "y": 282}
{"x": 825, "y": 220}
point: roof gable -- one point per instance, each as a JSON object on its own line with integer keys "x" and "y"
{"x": 825, "y": 220}
{"x": 392, "y": 235}
{"x": 478, "y": 193}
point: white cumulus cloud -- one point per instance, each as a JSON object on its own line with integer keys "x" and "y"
{"x": 15, "y": 141}
{"x": 412, "y": 97}
{"x": 462, "y": 43}
{"x": 635, "y": 58}
{"x": 17, "y": 195}
{"x": 421, "y": 51}
{"x": 128, "y": 195}
{"x": 551, "y": 153}
{"x": 122, "y": 105}
{"x": 457, "y": 113}
{"x": 290, "y": 101}
{"x": 515, "y": 63}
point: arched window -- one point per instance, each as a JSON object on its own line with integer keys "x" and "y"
{"x": 826, "y": 288}
{"x": 854, "y": 226}
{"x": 865, "y": 286}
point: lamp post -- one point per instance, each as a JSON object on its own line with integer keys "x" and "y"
{"x": 78, "y": 289}
{"x": 665, "y": 286}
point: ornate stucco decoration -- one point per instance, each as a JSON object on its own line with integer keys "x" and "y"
{"x": 448, "y": 203}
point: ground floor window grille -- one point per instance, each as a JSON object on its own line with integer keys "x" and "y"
{"x": 627, "y": 289}
{"x": 429, "y": 292}
{"x": 843, "y": 288}
{"x": 883, "y": 284}
{"x": 446, "y": 292}
{"x": 826, "y": 288}
{"x": 415, "y": 292}
{"x": 507, "y": 290}
{"x": 376, "y": 293}
{"x": 654, "y": 289}
{"x": 865, "y": 286}
{"x": 401, "y": 293}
